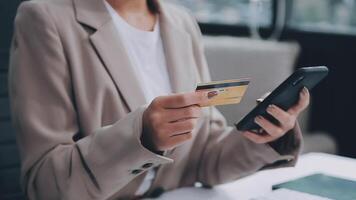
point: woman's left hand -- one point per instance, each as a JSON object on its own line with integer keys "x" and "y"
{"x": 287, "y": 119}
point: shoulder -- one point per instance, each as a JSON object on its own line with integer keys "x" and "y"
{"x": 35, "y": 5}
{"x": 175, "y": 11}
{"x": 40, "y": 10}
{"x": 181, "y": 16}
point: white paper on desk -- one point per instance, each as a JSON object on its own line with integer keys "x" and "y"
{"x": 285, "y": 194}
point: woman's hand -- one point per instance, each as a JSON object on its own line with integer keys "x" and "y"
{"x": 169, "y": 120}
{"x": 287, "y": 119}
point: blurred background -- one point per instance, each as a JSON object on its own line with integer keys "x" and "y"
{"x": 265, "y": 40}
{"x": 268, "y": 39}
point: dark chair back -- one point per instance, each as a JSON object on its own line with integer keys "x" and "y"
{"x": 9, "y": 156}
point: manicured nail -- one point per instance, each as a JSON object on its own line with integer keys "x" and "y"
{"x": 258, "y": 118}
{"x": 212, "y": 94}
{"x": 305, "y": 90}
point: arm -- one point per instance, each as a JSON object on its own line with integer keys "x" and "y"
{"x": 54, "y": 166}
{"x": 229, "y": 155}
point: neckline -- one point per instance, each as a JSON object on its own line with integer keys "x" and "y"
{"x": 116, "y": 16}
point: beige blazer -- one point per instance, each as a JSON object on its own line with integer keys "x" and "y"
{"x": 77, "y": 108}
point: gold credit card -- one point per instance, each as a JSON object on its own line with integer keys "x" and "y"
{"x": 224, "y": 92}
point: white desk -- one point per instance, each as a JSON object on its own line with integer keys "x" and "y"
{"x": 261, "y": 182}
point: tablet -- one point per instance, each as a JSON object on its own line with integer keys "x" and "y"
{"x": 284, "y": 96}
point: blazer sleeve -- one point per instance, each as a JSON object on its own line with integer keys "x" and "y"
{"x": 227, "y": 154}
{"x": 54, "y": 166}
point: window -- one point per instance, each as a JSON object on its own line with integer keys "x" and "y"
{"x": 230, "y": 12}
{"x": 324, "y": 15}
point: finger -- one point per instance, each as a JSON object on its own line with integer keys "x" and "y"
{"x": 257, "y": 131}
{"x": 180, "y": 127}
{"x": 190, "y": 112}
{"x": 179, "y": 139}
{"x": 259, "y": 139}
{"x": 303, "y": 102}
{"x": 184, "y": 99}
{"x": 285, "y": 119}
{"x": 269, "y": 127}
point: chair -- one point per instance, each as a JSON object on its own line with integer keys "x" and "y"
{"x": 9, "y": 156}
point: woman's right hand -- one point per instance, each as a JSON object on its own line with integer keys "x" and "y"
{"x": 169, "y": 120}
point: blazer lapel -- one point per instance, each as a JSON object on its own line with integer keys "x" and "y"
{"x": 179, "y": 55}
{"x": 177, "y": 46}
{"x": 111, "y": 50}
{"x": 176, "y": 43}
{"x": 182, "y": 70}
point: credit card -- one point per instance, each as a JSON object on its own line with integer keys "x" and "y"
{"x": 224, "y": 92}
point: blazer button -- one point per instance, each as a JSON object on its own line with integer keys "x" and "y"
{"x": 136, "y": 171}
{"x": 147, "y": 165}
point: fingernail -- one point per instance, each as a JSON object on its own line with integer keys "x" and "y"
{"x": 305, "y": 90}
{"x": 271, "y": 107}
{"x": 212, "y": 94}
{"x": 258, "y": 118}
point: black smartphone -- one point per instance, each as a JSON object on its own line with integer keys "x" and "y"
{"x": 284, "y": 96}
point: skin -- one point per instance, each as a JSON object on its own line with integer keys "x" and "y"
{"x": 169, "y": 120}
{"x": 135, "y": 12}
{"x": 287, "y": 120}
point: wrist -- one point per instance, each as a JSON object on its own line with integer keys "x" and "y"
{"x": 147, "y": 140}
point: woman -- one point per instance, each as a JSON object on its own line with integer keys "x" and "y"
{"x": 102, "y": 101}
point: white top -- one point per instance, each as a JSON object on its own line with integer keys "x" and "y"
{"x": 145, "y": 50}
